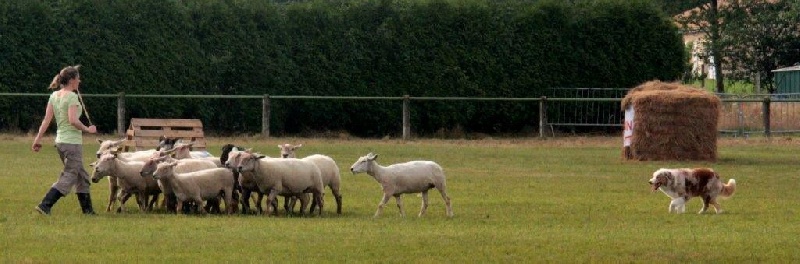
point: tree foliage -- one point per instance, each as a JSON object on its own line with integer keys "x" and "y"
{"x": 759, "y": 36}
{"x": 753, "y": 37}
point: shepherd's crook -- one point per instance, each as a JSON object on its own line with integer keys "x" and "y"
{"x": 80, "y": 98}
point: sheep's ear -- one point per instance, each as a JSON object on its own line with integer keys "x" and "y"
{"x": 297, "y": 147}
{"x": 280, "y": 146}
{"x": 372, "y": 156}
{"x": 170, "y": 151}
{"x": 260, "y": 156}
{"x": 100, "y": 141}
{"x": 250, "y": 150}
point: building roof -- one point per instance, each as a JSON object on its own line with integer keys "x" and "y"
{"x": 792, "y": 68}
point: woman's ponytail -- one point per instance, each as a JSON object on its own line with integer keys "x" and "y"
{"x": 55, "y": 83}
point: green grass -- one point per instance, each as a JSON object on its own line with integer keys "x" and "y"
{"x": 526, "y": 200}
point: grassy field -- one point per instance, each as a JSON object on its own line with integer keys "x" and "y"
{"x": 526, "y": 200}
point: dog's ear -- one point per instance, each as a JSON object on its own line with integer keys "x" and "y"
{"x": 666, "y": 175}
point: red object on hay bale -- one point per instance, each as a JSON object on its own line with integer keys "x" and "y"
{"x": 670, "y": 121}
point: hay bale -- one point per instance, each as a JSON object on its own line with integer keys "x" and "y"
{"x": 672, "y": 122}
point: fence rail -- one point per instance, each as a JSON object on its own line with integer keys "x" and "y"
{"x": 754, "y": 114}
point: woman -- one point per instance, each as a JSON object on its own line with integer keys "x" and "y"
{"x": 66, "y": 107}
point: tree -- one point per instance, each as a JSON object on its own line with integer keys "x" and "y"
{"x": 759, "y": 36}
{"x": 705, "y": 19}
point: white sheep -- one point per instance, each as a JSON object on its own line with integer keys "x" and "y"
{"x": 183, "y": 166}
{"x": 107, "y": 146}
{"x": 409, "y": 177}
{"x": 246, "y": 183}
{"x": 113, "y": 146}
{"x": 183, "y": 150}
{"x": 328, "y": 168}
{"x": 197, "y": 186}
{"x": 127, "y": 172}
{"x": 283, "y": 176}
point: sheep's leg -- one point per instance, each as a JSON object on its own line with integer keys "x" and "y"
{"x": 141, "y": 201}
{"x": 303, "y": 202}
{"x": 153, "y": 202}
{"x": 338, "y": 197}
{"x": 313, "y": 204}
{"x": 229, "y": 202}
{"x": 199, "y": 202}
{"x": 382, "y": 204}
{"x": 122, "y": 200}
{"x": 320, "y": 201}
{"x": 424, "y": 204}
{"x": 179, "y": 207}
{"x": 400, "y": 205}
{"x": 288, "y": 204}
{"x": 113, "y": 190}
{"x": 446, "y": 202}
{"x": 246, "y": 201}
{"x": 260, "y": 197}
{"x": 171, "y": 202}
{"x": 270, "y": 202}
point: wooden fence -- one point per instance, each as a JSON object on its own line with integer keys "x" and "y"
{"x": 744, "y": 125}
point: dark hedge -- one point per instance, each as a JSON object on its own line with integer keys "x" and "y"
{"x": 473, "y": 48}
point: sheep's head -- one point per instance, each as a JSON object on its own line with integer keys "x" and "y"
{"x": 246, "y": 161}
{"x": 181, "y": 150}
{"x": 232, "y": 159}
{"x": 287, "y": 150}
{"x": 108, "y": 145}
{"x": 103, "y": 166}
{"x": 151, "y": 164}
{"x": 226, "y": 150}
{"x": 164, "y": 170}
{"x": 364, "y": 163}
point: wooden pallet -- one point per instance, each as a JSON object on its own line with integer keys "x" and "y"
{"x": 144, "y": 133}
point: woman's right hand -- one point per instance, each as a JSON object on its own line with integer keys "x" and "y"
{"x": 92, "y": 129}
{"x": 36, "y": 146}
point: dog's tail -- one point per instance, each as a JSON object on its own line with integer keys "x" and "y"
{"x": 728, "y": 189}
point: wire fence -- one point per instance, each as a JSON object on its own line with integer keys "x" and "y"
{"x": 740, "y": 115}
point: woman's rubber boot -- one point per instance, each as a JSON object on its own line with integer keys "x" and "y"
{"x": 85, "y": 200}
{"x": 49, "y": 200}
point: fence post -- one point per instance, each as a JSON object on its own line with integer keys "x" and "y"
{"x": 406, "y": 119}
{"x": 766, "y": 110}
{"x": 121, "y": 114}
{"x": 542, "y": 115}
{"x": 265, "y": 116}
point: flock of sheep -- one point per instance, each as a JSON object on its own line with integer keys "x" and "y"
{"x": 196, "y": 181}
